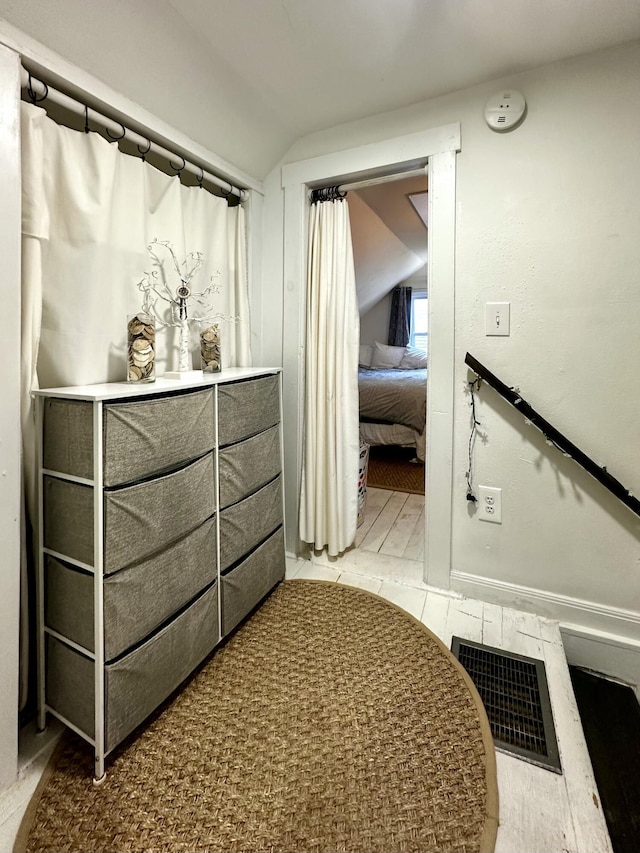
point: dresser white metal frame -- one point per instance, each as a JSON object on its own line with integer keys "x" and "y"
{"x": 98, "y": 396}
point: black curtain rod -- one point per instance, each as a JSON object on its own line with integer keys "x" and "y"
{"x": 512, "y": 395}
{"x": 327, "y": 194}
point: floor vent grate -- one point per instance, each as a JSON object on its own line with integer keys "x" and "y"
{"x": 516, "y": 697}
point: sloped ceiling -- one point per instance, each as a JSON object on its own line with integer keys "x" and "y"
{"x": 246, "y": 78}
{"x": 390, "y": 201}
{"x": 389, "y": 238}
{"x": 319, "y": 64}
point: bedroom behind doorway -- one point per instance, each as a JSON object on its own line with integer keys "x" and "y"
{"x": 388, "y": 227}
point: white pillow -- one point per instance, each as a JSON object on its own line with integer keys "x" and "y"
{"x": 413, "y": 359}
{"x": 365, "y": 356}
{"x": 385, "y": 356}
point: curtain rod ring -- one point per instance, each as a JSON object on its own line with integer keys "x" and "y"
{"x": 86, "y": 118}
{"x": 323, "y": 194}
{"x": 178, "y": 168}
{"x": 32, "y": 92}
{"x": 146, "y": 150}
{"x": 200, "y": 178}
{"x": 117, "y": 138}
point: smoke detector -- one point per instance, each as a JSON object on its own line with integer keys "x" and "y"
{"x": 505, "y": 110}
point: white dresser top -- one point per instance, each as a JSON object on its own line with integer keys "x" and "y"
{"x": 124, "y": 390}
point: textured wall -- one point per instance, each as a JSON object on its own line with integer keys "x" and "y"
{"x": 374, "y": 325}
{"x": 547, "y": 219}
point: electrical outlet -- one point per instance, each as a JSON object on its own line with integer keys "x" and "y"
{"x": 490, "y": 504}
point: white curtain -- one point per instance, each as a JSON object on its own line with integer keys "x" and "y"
{"x": 88, "y": 214}
{"x": 329, "y": 494}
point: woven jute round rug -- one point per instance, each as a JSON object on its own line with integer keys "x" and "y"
{"x": 330, "y": 721}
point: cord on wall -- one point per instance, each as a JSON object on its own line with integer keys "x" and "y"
{"x": 474, "y": 385}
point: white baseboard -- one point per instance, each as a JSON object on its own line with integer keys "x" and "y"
{"x": 598, "y": 637}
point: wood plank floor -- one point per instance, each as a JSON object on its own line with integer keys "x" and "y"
{"x": 393, "y": 524}
{"x": 540, "y": 811}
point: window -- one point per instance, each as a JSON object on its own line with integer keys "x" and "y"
{"x": 419, "y": 320}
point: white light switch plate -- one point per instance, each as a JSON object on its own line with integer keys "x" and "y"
{"x": 498, "y": 318}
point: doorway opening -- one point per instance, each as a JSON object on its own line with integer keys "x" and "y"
{"x": 389, "y": 236}
{"x": 435, "y": 151}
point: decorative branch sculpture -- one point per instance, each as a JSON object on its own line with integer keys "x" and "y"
{"x": 167, "y": 290}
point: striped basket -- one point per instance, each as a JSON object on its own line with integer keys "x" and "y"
{"x": 362, "y": 480}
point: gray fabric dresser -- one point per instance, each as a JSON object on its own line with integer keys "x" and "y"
{"x": 161, "y": 529}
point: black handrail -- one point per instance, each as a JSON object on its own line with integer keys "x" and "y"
{"x": 512, "y": 395}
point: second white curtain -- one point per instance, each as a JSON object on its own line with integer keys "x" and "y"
{"x": 329, "y": 494}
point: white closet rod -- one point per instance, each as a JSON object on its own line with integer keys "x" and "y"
{"x": 384, "y": 179}
{"x": 145, "y": 145}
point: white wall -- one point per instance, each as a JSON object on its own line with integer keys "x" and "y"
{"x": 374, "y": 325}
{"x": 548, "y": 219}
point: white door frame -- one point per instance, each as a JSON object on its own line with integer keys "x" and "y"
{"x": 435, "y": 150}
{"x": 10, "y": 427}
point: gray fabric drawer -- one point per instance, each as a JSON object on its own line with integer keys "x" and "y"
{"x": 138, "y": 520}
{"x": 148, "y": 436}
{"x": 140, "y": 438}
{"x": 246, "y": 466}
{"x": 144, "y": 518}
{"x": 245, "y": 408}
{"x": 136, "y": 600}
{"x": 68, "y": 602}
{"x": 137, "y": 683}
{"x": 68, "y": 518}
{"x": 70, "y": 686}
{"x": 244, "y": 586}
{"x": 245, "y": 524}
{"x": 68, "y": 437}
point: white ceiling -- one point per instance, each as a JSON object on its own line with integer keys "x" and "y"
{"x": 319, "y": 63}
{"x": 247, "y": 78}
{"x": 315, "y": 64}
